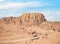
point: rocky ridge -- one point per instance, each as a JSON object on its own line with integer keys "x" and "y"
{"x": 25, "y": 19}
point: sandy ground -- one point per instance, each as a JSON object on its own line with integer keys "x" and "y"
{"x": 29, "y": 35}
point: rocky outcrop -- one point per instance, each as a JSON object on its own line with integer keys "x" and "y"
{"x": 8, "y": 20}
{"x": 25, "y": 19}
{"x": 32, "y": 18}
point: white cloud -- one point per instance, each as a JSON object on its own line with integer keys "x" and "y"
{"x": 10, "y": 5}
{"x": 51, "y": 14}
{"x": 7, "y": 15}
{"x": 2, "y": 0}
{"x": 21, "y": 5}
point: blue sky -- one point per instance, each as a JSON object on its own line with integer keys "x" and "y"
{"x": 50, "y": 8}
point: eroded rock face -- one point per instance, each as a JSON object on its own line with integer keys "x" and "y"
{"x": 7, "y": 20}
{"x": 32, "y": 18}
{"x": 25, "y": 19}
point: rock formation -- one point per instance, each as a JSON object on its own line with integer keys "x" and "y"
{"x": 32, "y": 18}
{"x": 29, "y": 28}
{"x": 26, "y": 19}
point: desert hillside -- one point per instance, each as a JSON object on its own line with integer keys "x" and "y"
{"x": 29, "y": 28}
